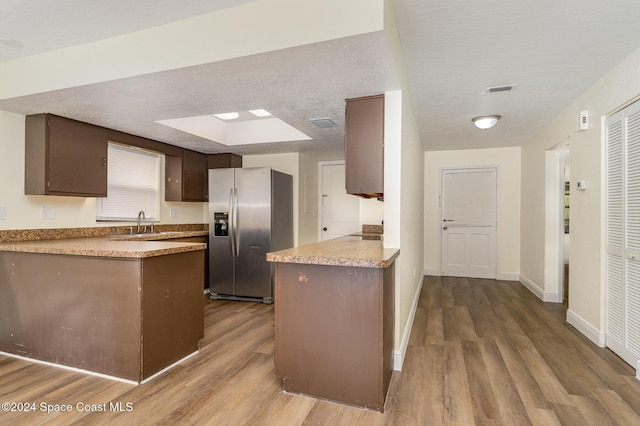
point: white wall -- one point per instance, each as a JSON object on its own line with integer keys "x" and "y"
{"x": 371, "y": 211}
{"x": 617, "y": 88}
{"x": 403, "y": 223}
{"x": 411, "y": 192}
{"x": 252, "y": 28}
{"x": 403, "y": 192}
{"x": 507, "y": 160}
{"x": 24, "y": 211}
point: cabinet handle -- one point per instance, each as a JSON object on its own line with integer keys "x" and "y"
{"x": 324, "y": 229}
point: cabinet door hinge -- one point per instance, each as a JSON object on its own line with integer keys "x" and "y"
{"x": 48, "y": 184}
{"x": 48, "y": 122}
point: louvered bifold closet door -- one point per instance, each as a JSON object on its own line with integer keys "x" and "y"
{"x": 615, "y": 336}
{"x": 622, "y": 140}
{"x": 632, "y": 229}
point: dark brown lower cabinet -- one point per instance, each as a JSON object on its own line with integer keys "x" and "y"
{"x": 200, "y": 239}
{"x": 334, "y": 332}
{"x": 127, "y": 318}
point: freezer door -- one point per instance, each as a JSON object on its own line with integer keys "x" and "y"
{"x": 253, "y": 272}
{"x": 221, "y": 184}
{"x": 281, "y": 211}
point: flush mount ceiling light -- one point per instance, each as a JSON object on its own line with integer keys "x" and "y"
{"x": 260, "y": 112}
{"x": 227, "y": 115}
{"x": 486, "y": 121}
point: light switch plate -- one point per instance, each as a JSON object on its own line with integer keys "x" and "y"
{"x": 48, "y": 213}
{"x": 3, "y": 213}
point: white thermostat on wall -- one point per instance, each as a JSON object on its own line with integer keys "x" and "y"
{"x": 581, "y": 185}
{"x": 583, "y": 121}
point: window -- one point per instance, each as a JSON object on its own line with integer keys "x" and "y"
{"x": 132, "y": 184}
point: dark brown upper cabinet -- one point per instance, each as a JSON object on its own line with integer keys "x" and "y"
{"x": 64, "y": 157}
{"x": 186, "y": 177}
{"x": 224, "y": 161}
{"x": 364, "y": 146}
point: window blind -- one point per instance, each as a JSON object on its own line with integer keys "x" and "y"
{"x": 132, "y": 184}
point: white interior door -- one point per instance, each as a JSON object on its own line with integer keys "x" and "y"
{"x": 468, "y": 211}
{"x": 340, "y": 212}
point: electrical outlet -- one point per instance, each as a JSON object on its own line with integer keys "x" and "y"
{"x": 3, "y": 213}
{"x": 172, "y": 212}
{"x": 48, "y": 213}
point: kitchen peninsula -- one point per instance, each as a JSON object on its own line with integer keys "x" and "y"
{"x": 334, "y": 319}
{"x": 113, "y": 305}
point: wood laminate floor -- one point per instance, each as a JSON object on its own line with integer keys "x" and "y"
{"x": 481, "y": 352}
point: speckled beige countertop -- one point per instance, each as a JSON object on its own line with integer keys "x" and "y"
{"x": 345, "y": 251}
{"x": 121, "y": 246}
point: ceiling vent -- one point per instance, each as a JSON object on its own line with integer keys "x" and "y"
{"x": 324, "y": 123}
{"x": 497, "y": 89}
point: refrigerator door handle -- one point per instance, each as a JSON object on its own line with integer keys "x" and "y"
{"x": 232, "y": 244}
{"x": 236, "y": 239}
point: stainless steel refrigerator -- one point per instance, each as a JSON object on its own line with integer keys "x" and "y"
{"x": 250, "y": 214}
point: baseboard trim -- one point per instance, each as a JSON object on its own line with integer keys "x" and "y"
{"x": 533, "y": 287}
{"x": 74, "y": 369}
{"x": 552, "y": 297}
{"x": 589, "y": 331}
{"x": 539, "y": 292}
{"x": 503, "y": 276}
{"x": 431, "y": 272}
{"x": 508, "y": 276}
{"x": 398, "y": 355}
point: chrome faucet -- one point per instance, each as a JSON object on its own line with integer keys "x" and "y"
{"x": 140, "y": 217}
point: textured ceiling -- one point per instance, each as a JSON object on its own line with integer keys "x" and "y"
{"x": 552, "y": 50}
{"x": 43, "y": 25}
{"x": 453, "y": 49}
{"x": 295, "y": 85}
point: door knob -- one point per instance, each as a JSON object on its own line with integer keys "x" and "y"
{"x": 324, "y": 229}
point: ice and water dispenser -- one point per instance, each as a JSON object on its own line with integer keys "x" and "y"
{"x": 221, "y": 224}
